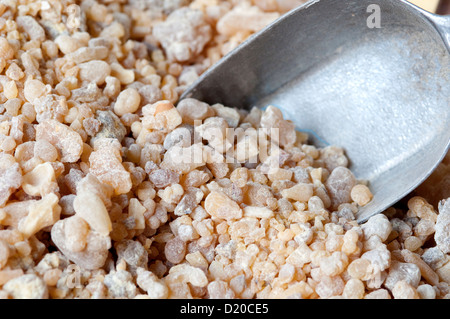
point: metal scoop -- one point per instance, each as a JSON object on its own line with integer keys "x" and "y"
{"x": 381, "y": 93}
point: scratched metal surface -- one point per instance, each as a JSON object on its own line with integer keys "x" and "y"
{"x": 382, "y": 94}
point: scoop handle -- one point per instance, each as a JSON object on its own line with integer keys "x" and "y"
{"x": 442, "y": 24}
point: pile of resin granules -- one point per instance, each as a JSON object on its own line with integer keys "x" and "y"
{"x": 103, "y": 194}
